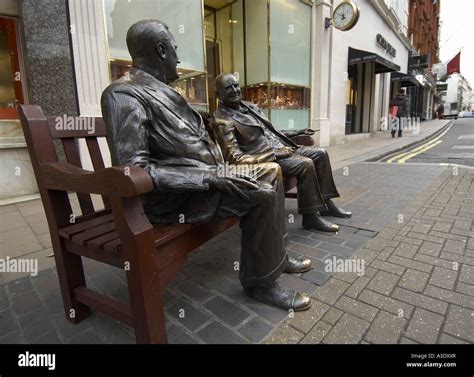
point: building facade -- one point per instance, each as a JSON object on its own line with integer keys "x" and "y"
{"x": 301, "y": 72}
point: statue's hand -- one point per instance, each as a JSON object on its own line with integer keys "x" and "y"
{"x": 307, "y": 132}
{"x": 228, "y": 186}
{"x": 285, "y": 152}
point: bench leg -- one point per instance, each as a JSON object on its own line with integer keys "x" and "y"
{"x": 71, "y": 276}
{"x": 144, "y": 285}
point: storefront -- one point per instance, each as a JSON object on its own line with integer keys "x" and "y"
{"x": 362, "y": 61}
{"x": 267, "y": 44}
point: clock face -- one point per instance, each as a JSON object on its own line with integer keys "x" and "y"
{"x": 345, "y": 15}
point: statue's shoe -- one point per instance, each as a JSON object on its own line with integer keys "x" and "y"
{"x": 279, "y": 297}
{"x": 295, "y": 266}
{"x": 335, "y": 211}
{"x": 316, "y": 222}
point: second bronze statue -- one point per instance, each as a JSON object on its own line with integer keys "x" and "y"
{"x": 246, "y": 136}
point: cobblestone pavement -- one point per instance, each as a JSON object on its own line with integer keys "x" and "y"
{"x": 418, "y": 282}
{"x": 409, "y": 288}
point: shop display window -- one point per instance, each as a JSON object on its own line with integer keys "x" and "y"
{"x": 278, "y": 96}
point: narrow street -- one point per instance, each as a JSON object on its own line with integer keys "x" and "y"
{"x": 455, "y": 145}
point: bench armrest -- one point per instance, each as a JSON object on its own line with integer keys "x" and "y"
{"x": 117, "y": 181}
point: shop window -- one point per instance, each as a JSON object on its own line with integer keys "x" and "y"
{"x": 278, "y": 41}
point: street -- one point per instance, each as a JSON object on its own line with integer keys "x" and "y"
{"x": 455, "y": 145}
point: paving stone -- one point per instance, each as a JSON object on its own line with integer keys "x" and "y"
{"x": 448, "y": 339}
{"x": 388, "y": 267}
{"x": 177, "y": 335}
{"x": 231, "y": 289}
{"x": 226, "y": 311}
{"x": 7, "y": 322}
{"x": 385, "y": 329}
{"x": 383, "y": 282}
{"x": 255, "y": 329}
{"x": 331, "y": 291}
{"x": 443, "y": 278}
{"x": 356, "y": 287}
{"x": 54, "y": 303}
{"x": 309, "y": 251}
{"x": 460, "y": 323}
{"x": 284, "y": 334}
{"x": 89, "y": 336}
{"x": 456, "y": 247}
{"x": 305, "y": 320}
{"x": 25, "y": 302}
{"x": 69, "y": 330}
{"x": 317, "y": 333}
{"x": 405, "y": 250}
{"x": 404, "y": 340}
{"x": 215, "y": 333}
{"x": 20, "y": 286}
{"x": 336, "y": 249}
{"x": 388, "y": 304}
{"x": 421, "y": 300}
{"x": 316, "y": 277}
{"x": 410, "y": 263}
{"x": 194, "y": 291}
{"x": 414, "y": 280}
{"x": 467, "y": 274}
{"x": 424, "y": 326}
{"x": 188, "y": 315}
{"x": 348, "y": 330}
{"x": 410, "y": 240}
{"x": 49, "y": 338}
{"x": 357, "y": 308}
{"x": 430, "y": 248}
{"x": 270, "y": 313}
{"x": 332, "y": 316}
{"x": 466, "y": 289}
{"x": 47, "y": 284}
{"x": 449, "y": 296}
{"x": 366, "y": 255}
{"x": 304, "y": 241}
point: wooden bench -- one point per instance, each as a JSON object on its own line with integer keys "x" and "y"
{"x": 120, "y": 234}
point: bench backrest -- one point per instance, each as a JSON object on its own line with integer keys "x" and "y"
{"x": 40, "y": 132}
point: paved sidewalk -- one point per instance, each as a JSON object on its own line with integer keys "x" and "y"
{"x": 207, "y": 291}
{"x": 418, "y": 285}
{"x": 381, "y": 144}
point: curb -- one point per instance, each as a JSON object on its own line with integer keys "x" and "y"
{"x": 408, "y": 145}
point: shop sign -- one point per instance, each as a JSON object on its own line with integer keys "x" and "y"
{"x": 386, "y": 46}
{"x": 418, "y": 62}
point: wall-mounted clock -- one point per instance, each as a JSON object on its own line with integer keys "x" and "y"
{"x": 345, "y": 16}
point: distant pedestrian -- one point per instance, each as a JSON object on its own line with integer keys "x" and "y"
{"x": 440, "y": 111}
{"x": 402, "y": 101}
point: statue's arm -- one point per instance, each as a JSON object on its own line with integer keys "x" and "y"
{"x": 225, "y": 133}
{"x": 127, "y": 125}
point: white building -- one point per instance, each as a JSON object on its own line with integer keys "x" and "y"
{"x": 353, "y": 69}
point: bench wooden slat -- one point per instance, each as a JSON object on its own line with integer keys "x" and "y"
{"x": 97, "y": 161}
{"x": 69, "y": 231}
{"x": 102, "y": 240}
{"x": 72, "y": 155}
{"x": 92, "y": 233}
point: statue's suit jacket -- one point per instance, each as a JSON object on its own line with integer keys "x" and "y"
{"x": 151, "y": 125}
{"x": 242, "y": 139}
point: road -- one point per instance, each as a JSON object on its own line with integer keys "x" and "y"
{"x": 454, "y": 146}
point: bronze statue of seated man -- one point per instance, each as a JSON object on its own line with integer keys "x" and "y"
{"x": 246, "y": 136}
{"x": 151, "y": 125}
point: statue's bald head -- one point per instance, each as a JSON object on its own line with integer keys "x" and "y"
{"x": 153, "y": 49}
{"x": 143, "y": 36}
{"x": 228, "y": 90}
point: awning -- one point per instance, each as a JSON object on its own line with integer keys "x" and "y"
{"x": 382, "y": 65}
{"x": 405, "y": 79}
